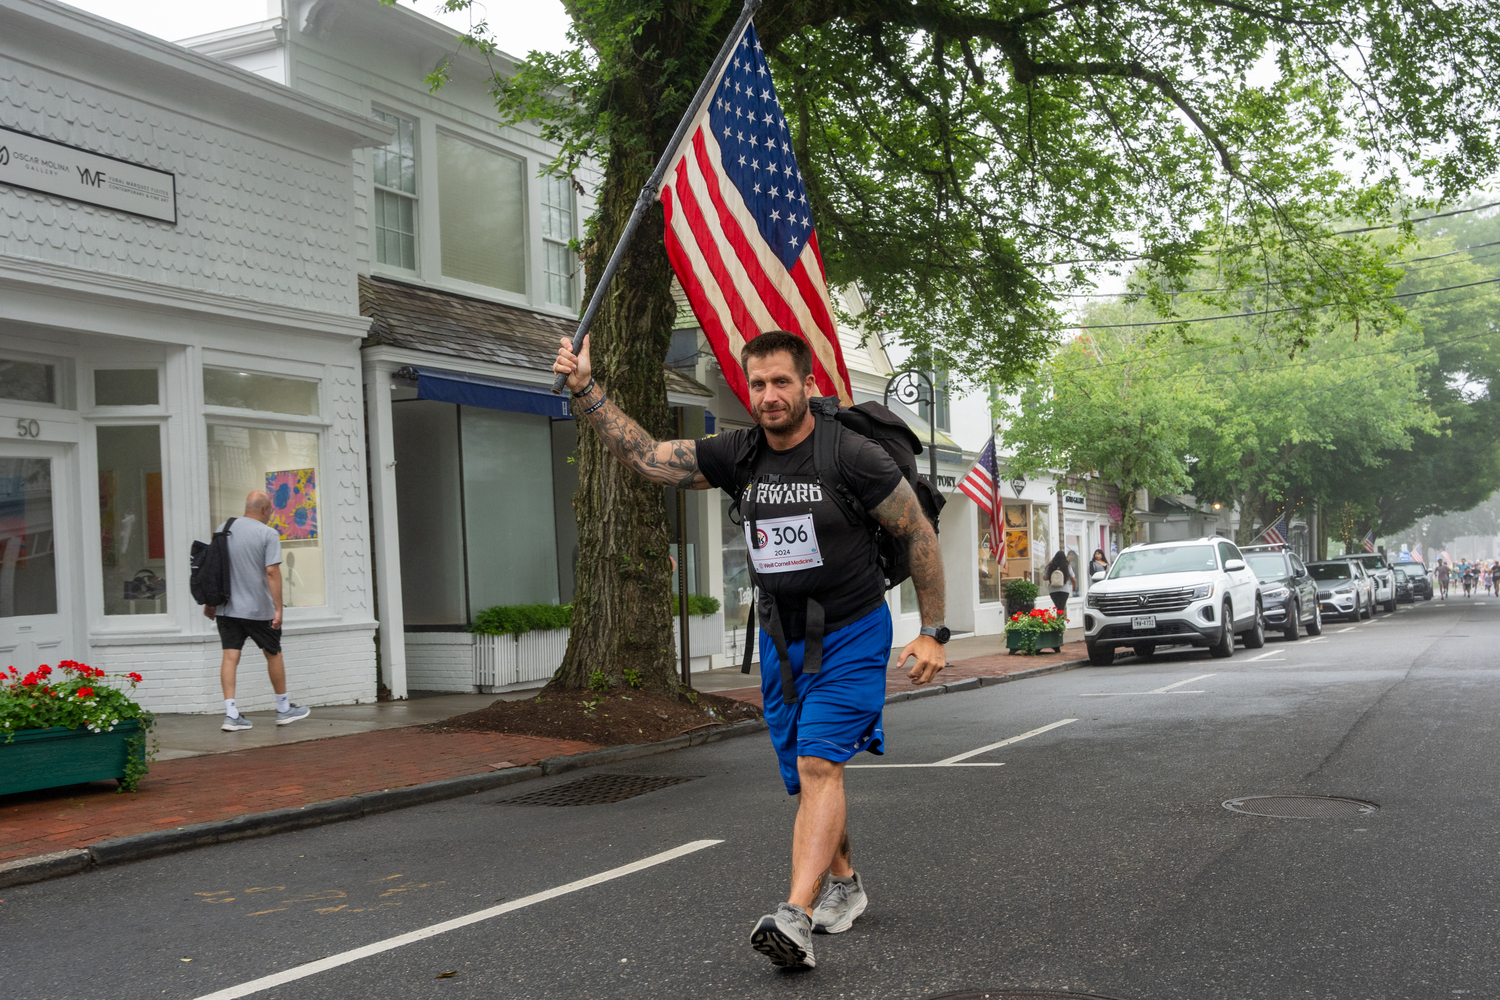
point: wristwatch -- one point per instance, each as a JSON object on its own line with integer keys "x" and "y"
{"x": 940, "y": 632}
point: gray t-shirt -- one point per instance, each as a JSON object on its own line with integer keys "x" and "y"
{"x": 252, "y": 547}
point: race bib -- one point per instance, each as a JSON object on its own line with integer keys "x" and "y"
{"x": 786, "y": 544}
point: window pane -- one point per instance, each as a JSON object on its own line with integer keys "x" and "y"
{"x": 270, "y": 393}
{"x": 736, "y": 568}
{"x": 285, "y": 465}
{"x": 482, "y": 213}
{"x": 512, "y": 536}
{"x": 28, "y": 571}
{"x": 909, "y": 604}
{"x": 28, "y": 381}
{"x": 395, "y": 230}
{"x": 431, "y": 512}
{"x": 557, "y": 208}
{"x": 132, "y": 542}
{"x": 132, "y": 387}
{"x": 561, "y": 289}
{"x": 989, "y": 566}
{"x": 395, "y": 165}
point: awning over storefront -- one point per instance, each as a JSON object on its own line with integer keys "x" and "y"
{"x": 490, "y": 393}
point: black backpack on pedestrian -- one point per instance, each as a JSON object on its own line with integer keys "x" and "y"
{"x": 209, "y": 582}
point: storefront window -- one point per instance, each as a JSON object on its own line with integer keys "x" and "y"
{"x": 989, "y": 565}
{"x": 1041, "y": 539}
{"x": 28, "y": 569}
{"x": 431, "y": 520}
{"x": 28, "y": 381}
{"x": 268, "y": 393}
{"x": 285, "y": 465}
{"x": 1016, "y": 523}
{"x": 132, "y": 538}
{"x": 481, "y": 214}
{"x": 125, "y": 387}
{"x": 512, "y": 535}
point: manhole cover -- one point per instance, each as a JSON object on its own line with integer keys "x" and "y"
{"x": 597, "y": 789}
{"x": 1005, "y": 994}
{"x": 1301, "y": 806}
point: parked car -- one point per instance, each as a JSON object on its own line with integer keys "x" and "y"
{"x": 1403, "y": 587}
{"x": 1381, "y": 575}
{"x": 1288, "y": 593}
{"x": 1190, "y": 593}
{"x": 1416, "y": 574}
{"x": 1345, "y": 590}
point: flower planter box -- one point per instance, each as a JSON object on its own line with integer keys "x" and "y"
{"x": 1043, "y": 640}
{"x": 49, "y": 758}
{"x": 504, "y": 661}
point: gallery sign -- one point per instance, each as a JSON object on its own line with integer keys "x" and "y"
{"x": 1072, "y": 500}
{"x": 37, "y": 164}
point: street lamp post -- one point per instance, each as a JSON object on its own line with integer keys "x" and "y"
{"x": 909, "y": 392}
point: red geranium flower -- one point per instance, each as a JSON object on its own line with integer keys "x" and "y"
{"x": 135, "y": 677}
{"x": 85, "y": 692}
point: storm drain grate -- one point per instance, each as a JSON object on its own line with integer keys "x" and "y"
{"x": 1006, "y": 994}
{"x": 1301, "y": 806}
{"x": 598, "y": 789}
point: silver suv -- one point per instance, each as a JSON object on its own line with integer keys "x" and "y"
{"x": 1190, "y": 593}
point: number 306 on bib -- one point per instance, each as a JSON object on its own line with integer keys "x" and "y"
{"x": 784, "y": 544}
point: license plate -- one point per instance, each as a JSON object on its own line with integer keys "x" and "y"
{"x": 1143, "y": 621}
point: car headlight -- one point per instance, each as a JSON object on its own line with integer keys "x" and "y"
{"x": 1274, "y": 594}
{"x": 1203, "y": 590}
{"x": 1345, "y": 590}
{"x": 1093, "y": 601}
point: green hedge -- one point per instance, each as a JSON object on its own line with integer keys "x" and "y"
{"x": 514, "y": 619}
{"x": 698, "y": 604}
{"x": 1021, "y": 591}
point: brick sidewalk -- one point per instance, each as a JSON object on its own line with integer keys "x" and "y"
{"x": 994, "y": 665}
{"x": 225, "y": 785}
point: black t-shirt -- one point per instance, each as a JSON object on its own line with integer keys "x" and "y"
{"x": 827, "y": 557}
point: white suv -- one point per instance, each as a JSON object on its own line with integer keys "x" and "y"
{"x": 1191, "y": 593}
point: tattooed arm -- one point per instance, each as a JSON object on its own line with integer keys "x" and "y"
{"x": 901, "y": 515}
{"x": 671, "y": 463}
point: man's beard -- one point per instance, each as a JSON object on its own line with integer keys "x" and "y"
{"x": 795, "y": 413}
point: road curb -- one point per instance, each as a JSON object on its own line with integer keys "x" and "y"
{"x": 142, "y": 846}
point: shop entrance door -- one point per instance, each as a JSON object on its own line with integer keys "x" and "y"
{"x": 33, "y": 604}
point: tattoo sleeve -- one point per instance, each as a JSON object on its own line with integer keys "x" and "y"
{"x": 671, "y": 463}
{"x": 901, "y": 515}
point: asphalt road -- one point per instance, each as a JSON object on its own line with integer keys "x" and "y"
{"x": 1098, "y": 858}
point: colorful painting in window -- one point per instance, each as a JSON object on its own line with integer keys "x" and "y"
{"x": 294, "y": 502}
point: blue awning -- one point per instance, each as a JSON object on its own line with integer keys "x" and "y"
{"x": 490, "y": 393}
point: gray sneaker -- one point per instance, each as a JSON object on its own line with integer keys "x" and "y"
{"x": 838, "y": 904}
{"x": 292, "y": 714}
{"x": 235, "y": 724}
{"x": 785, "y": 937}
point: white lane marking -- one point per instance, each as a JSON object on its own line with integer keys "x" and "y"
{"x": 1266, "y": 656}
{"x": 1164, "y": 690}
{"x": 1317, "y": 639}
{"x": 1004, "y": 743}
{"x": 422, "y": 934}
{"x": 1351, "y": 628}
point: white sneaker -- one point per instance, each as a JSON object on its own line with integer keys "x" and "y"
{"x": 838, "y": 904}
{"x": 234, "y": 725}
{"x": 785, "y": 937}
{"x": 292, "y": 714}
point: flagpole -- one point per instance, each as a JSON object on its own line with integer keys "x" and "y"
{"x": 648, "y": 193}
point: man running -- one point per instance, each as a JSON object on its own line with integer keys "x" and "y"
{"x": 1442, "y": 574}
{"x": 836, "y": 710}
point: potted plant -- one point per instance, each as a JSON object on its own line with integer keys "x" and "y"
{"x": 68, "y": 729}
{"x": 1020, "y": 596}
{"x": 1028, "y": 631}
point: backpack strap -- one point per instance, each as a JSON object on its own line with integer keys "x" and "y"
{"x": 828, "y": 437}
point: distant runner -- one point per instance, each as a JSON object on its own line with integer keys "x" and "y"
{"x": 822, "y": 598}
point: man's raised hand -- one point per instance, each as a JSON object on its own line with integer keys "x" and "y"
{"x": 576, "y": 366}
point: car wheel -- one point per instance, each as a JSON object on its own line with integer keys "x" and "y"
{"x": 1315, "y": 627}
{"x": 1293, "y": 630}
{"x": 1144, "y": 650}
{"x": 1367, "y": 610}
{"x": 1390, "y": 606}
{"x": 1224, "y": 648}
{"x": 1255, "y": 636}
{"x": 1101, "y": 656}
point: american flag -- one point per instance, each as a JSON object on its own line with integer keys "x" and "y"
{"x": 739, "y": 228}
{"x": 982, "y": 485}
{"x": 1370, "y": 540}
{"x": 1276, "y": 533}
{"x": 1416, "y": 553}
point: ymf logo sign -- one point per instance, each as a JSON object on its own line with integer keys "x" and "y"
{"x": 93, "y": 178}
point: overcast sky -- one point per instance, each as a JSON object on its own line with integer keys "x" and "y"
{"x": 520, "y": 25}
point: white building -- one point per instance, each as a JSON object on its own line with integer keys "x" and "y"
{"x": 179, "y": 325}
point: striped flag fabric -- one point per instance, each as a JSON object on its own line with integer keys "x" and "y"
{"x": 1370, "y": 540}
{"x": 739, "y": 228}
{"x": 982, "y": 485}
{"x": 1276, "y": 533}
{"x": 1416, "y": 553}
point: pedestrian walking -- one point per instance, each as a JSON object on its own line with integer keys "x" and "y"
{"x": 1060, "y": 581}
{"x": 1098, "y": 564}
{"x": 826, "y": 628}
{"x": 253, "y": 610}
{"x": 1443, "y": 573}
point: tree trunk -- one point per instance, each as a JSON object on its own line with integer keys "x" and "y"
{"x": 1128, "y": 523}
{"x": 622, "y": 607}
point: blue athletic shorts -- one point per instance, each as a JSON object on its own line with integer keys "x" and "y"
{"x": 838, "y": 709}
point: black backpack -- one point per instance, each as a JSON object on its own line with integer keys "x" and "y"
{"x": 209, "y": 582}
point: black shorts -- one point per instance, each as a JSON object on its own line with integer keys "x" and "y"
{"x": 234, "y": 631}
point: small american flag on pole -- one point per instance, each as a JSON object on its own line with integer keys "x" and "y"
{"x": 1370, "y": 540}
{"x": 982, "y": 485}
{"x": 739, "y": 229}
{"x": 1276, "y": 533}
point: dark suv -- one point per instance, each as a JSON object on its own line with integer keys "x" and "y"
{"x": 1288, "y": 592}
{"x": 1416, "y": 574}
